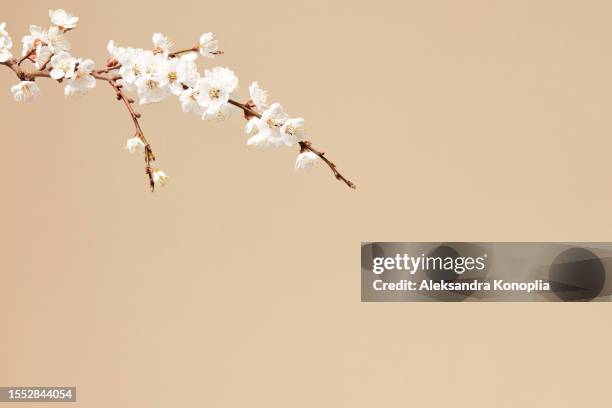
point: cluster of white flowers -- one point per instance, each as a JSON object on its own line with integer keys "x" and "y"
{"x": 49, "y": 47}
{"x": 275, "y": 128}
{"x": 154, "y": 75}
{"x": 157, "y": 74}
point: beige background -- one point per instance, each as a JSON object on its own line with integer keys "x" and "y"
{"x": 237, "y": 285}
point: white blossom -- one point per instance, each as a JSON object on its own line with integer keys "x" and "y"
{"x": 175, "y": 86}
{"x": 268, "y": 127}
{"x": 62, "y": 66}
{"x": 223, "y": 113}
{"x": 306, "y": 160}
{"x": 209, "y": 47}
{"x": 182, "y": 71}
{"x": 114, "y": 50}
{"x": 189, "y": 102}
{"x": 161, "y": 43}
{"x": 292, "y": 131}
{"x": 258, "y": 96}
{"x": 187, "y": 69}
{"x": 129, "y": 58}
{"x": 159, "y": 177}
{"x": 35, "y": 37}
{"x": 6, "y": 43}
{"x": 56, "y": 40}
{"x": 82, "y": 80}
{"x": 152, "y": 80}
{"x": 25, "y": 91}
{"x": 215, "y": 89}
{"x": 63, "y": 19}
{"x": 135, "y": 145}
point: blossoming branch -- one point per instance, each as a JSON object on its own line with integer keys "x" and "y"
{"x": 154, "y": 75}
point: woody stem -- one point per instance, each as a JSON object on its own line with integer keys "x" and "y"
{"x": 128, "y": 102}
{"x": 304, "y": 146}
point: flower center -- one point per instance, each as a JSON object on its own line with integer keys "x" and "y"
{"x": 214, "y": 93}
{"x": 172, "y": 76}
{"x": 152, "y": 84}
{"x": 290, "y": 130}
{"x": 274, "y": 123}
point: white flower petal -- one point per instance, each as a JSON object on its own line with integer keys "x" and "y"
{"x": 25, "y": 91}
{"x": 306, "y": 160}
{"x": 209, "y": 47}
{"x": 63, "y": 19}
{"x": 258, "y": 96}
{"x": 159, "y": 177}
{"x": 135, "y": 145}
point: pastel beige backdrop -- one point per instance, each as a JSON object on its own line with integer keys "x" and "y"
{"x": 237, "y": 285}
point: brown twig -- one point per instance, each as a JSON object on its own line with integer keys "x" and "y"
{"x": 248, "y": 110}
{"x": 177, "y": 53}
{"x": 28, "y": 54}
{"x": 304, "y": 146}
{"x": 24, "y": 74}
{"x": 108, "y": 69}
{"x": 128, "y": 102}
